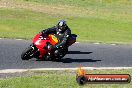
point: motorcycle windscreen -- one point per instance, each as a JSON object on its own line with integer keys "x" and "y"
{"x": 36, "y": 37}
{"x": 40, "y": 43}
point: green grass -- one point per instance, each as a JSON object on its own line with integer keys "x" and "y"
{"x": 83, "y": 3}
{"x": 59, "y": 79}
{"x": 21, "y": 23}
{"x": 107, "y": 21}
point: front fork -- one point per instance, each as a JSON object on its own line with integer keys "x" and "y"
{"x": 35, "y": 51}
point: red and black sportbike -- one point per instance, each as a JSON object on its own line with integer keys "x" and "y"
{"x": 41, "y": 46}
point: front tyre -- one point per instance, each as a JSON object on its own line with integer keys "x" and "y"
{"x": 27, "y": 53}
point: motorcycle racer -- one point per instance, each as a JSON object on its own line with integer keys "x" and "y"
{"x": 62, "y": 32}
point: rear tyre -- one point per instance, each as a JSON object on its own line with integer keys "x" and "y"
{"x": 27, "y": 53}
{"x": 61, "y": 54}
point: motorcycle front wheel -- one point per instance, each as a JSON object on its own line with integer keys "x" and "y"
{"x": 27, "y": 53}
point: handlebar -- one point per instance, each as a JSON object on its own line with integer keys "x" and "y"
{"x": 42, "y": 38}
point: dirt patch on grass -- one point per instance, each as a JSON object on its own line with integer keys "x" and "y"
{"x": 34, "y": 73}
{"x": 101, "y": 12}
{"x": 48, "y": 9}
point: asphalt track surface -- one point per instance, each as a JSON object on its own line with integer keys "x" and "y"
{"x": 87, "y": 55}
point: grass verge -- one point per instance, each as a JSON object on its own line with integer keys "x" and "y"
{"x": 93, "y": 20}
{"x": 58, "y": 79}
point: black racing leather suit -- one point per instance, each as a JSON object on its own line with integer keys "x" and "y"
{"x": 61, "y": 35}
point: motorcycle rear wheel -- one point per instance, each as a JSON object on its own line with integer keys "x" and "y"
{"x": 59, "y": 57}
{"x": 27, "y": 53}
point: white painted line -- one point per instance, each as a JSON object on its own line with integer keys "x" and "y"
{"x": 59, "y": 69}
{"x": 113, "y": 44}
{"x": 12, "y": 70}
{"x": 53, "y": 69}
{"x": 77, "y": 42}
{"x": 96, "y": 43}
{"x": 87, "y": 68}
{"x": 15, "y": 39}
{"x": 100, "y": 68}
{"x": 19, "y": 39}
